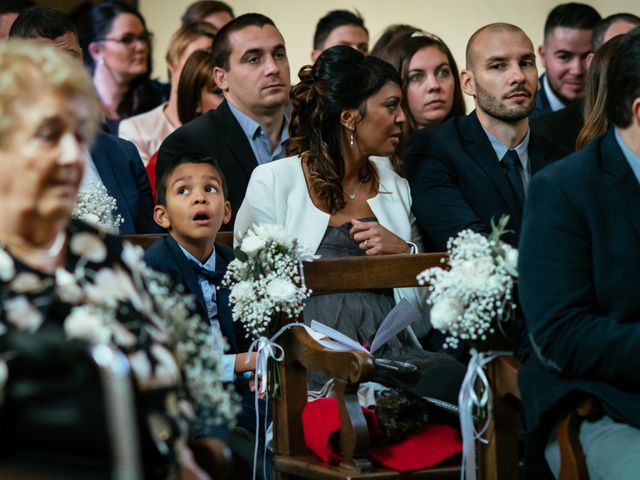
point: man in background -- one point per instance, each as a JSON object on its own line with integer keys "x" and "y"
{"x": 567, "y": 43}
{"x": 340, "y": 27}
{"x": 249, "y": 127}
{"x": 563, "y": 126}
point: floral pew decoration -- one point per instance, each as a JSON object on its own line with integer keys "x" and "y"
{"x": 95, "y": 206}
{"x": 469, "y": 301}
{"x": 268, "y": 292}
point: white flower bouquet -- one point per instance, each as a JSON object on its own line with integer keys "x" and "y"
{"x": 95, "y": 206}
{"x": 267, "y": 286}
{"x": 265, "y": 279}
{"x": 477, "y": 289}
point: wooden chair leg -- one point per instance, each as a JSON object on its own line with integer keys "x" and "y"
{"x": 573, "y": 465}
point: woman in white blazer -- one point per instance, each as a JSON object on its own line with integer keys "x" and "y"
{"x": 339, "y": 198}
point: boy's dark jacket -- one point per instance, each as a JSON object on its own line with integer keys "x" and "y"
{"x": 166, "y": 256}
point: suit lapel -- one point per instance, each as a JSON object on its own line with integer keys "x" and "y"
{"x": 224, "y": 309}
{"x": 624, "y": 183}
{"x": 479, "y": 148}
{"x": 234, "y": 138}
{"x": 99, "y": 155}
{"x": 538, "y": 155}
{"x": 190, "y": 280}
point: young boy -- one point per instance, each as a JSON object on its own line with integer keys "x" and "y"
{"x": 192, "y": 206}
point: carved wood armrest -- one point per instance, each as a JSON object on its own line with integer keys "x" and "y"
{"x": 348, "y": 368}
{"x": 353, "y": 366}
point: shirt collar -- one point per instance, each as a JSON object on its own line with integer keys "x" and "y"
{"x": 210, "y": 264}
{"x": 554, "y": 101}
{"x": 253, "y": 129}
{"x": 501, "y": 149}
{"x": 632, "y": 159}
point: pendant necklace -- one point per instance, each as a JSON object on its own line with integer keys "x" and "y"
{"x": 353, "y": 195}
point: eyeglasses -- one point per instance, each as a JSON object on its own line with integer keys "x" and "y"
{"x": 129, "y": 39}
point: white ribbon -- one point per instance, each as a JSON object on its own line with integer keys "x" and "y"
{"x": 265, "y": 348}
{"x": 467, "y": 400}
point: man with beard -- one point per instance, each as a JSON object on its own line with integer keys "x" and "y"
{"x": 469, "y": 171}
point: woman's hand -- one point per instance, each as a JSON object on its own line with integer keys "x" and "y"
{"x": 374, "y": 239}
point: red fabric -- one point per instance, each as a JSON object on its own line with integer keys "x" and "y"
{"x": 321, "y": 425}
{"x": 151, "y": 173}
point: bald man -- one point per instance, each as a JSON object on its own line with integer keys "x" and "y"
{"x": 471, "y": 170}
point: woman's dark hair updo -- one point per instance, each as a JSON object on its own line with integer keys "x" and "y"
{"x": 342, "y": 78}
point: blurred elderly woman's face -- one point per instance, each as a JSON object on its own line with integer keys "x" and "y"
{"x": 42, "y": 156}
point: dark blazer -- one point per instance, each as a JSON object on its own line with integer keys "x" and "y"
{"x": 166, "y": 256}
{"x": 542, "y": 100}
{"x": 123, "y": 174}
{"x": 457, "y": 181}
{"x": 579, "y": 276}
{"x": 561, "y": 127}
{"x": 217, "y": 134}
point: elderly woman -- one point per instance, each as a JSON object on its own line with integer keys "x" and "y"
{"x": 64, "y": 283}
{"x": 339, "y": 202}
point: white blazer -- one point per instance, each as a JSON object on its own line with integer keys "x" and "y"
{"x": 277, "y": 193}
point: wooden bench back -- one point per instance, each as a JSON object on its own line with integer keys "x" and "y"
{"x": 348, "y": 368}
{"x": 145, "y": 240}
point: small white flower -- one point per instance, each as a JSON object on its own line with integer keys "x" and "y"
{"x": 511, "y": 260}
{"x": 445, "y": 313}
{"x": 141, "y": 368}
{"x": 87, "y": 325}
{"x": 166, "y": 371}
{"x": 281, "y": 290}
{"x": 28, "y": 282}
{"x": 90, "y": 246}
{"x": 132, "y": 255}
{"x": 67, "y": 288}
{"x": 252, "y": 244}
{"x": 273, "y": 232}
{"x": 23, "y": 314}
{"x": 242, "y": 291}
{"x": 7, "y": 267}
{"x": 91, "y": 218}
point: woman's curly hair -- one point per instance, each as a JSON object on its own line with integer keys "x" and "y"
{"x": 342, "y": 78}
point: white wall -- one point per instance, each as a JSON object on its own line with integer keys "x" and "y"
{"x": 453, "y": 20}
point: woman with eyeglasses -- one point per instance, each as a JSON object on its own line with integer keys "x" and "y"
{"x": 117, "y": 49}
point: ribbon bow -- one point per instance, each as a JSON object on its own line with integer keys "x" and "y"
{"x": 468, "y": 399}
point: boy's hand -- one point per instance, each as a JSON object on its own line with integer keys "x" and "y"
{"x": 241, "y": 362}
{"x": 253, "y": 386}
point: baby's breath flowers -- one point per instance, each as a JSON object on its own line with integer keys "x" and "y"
{"x": 265, "y": 278}
{"x": 477, "y": 289}
{"x": 94, "y": 205}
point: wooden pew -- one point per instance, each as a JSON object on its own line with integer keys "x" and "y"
{"x": 146, "y": 240}
{"x": 349, "y": 368}
{"x": 497, "y": 460}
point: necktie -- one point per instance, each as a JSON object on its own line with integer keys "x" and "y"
{"x": 212, "y": 276}
{"x": 511, "y": 163}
